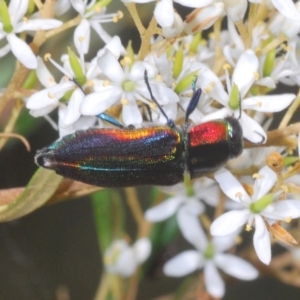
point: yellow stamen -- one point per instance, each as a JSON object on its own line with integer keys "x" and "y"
{"x": 90, "y": 83}
{"x": 152, "y": 105}
{"x": 288, "y": 219}
{"x": 238, "y": 195}
{"x": 47, "y": 56}
{"x": 256, "y": 176}
{"x": 124, "y": 101}
{"x": 226, "y": 67}
{"x": 50, "y": 95}
{"x": 209, "y": 87}
{"x": 248, "y": 227}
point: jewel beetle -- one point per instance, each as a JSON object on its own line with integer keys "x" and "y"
{"x": 154, "y": 155}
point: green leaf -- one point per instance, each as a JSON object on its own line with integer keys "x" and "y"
{"x": 39, "y": 190}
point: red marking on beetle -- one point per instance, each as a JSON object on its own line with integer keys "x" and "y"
{"x": 208, "y": 133}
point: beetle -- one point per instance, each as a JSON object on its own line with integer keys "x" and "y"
{"x": 154, "y": 155}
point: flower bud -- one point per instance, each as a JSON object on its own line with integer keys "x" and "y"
{"x": 259, "y": 205}
{"x": 202, "y": 18}
{"x": 76, "y": 67}
{"x": 234, "y": 98}
{"x": 175, "y": 29}
{"x": 5, "y": 17}
{"x": 185, "y": 82}
{"x": 178, "y": 62}
{"x": 275, "y": 162}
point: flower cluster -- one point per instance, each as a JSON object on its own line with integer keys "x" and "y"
{"x": 238, "y": 68}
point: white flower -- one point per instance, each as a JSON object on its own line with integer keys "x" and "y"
{"x": 92, "y": 16}
{"x": 83, "y": 123}
{"x": 125, "y": 86}
{"x": 258, "y": 210}
{"x": 243, "y": 77}
{"x": 288, "y": 9}
{"x": 61, "y": 7}
{"x": 44, "y": 101}
{"x": 16, "y": 22}
{"x": 122, "y": 259}
{"x": 164, "y": 11}
{"x": 203, "y": 18}
{"x": 187, "y": 207}
{"x": 210, "y": 257}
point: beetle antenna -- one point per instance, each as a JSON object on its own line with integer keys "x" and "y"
{"x": 149, "y": 112}
{"x": 263, "y": 139}
{"x": 169, "y": 121}
{"x": 78, "y": 85}
{"x": 110, "y": 119}
{"x": 193, "y": 102}
{"x": 240, "y": 106}
{"x": 194, "y": 84}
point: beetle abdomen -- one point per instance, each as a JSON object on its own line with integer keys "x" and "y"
{"x": 118, "y": 157}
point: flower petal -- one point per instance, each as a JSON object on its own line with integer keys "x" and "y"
{"x": 126, "y": 263}
{"x": 82, "y": 36}
{"x": 229, "y": 222}
{"x": 213, "y": 280}
{"x": 142, "y": 249}
{"x": 271, "y": 103}
{"x": 183, "y": 264}
{"x": 164, "y": 13}
{"x": 252, "y": 131}
{"x": 191, "y": 229}
{"x": 110, "y": 66}
{"x": 265, "y": 181}
{"x": 4, "y": 50}
{"x": 131, "y": 114}
{"x": 193, "y": 3}
{"x": 287, "y": 8}
{"x": 283, "y": 209}
{"x": 37, "y": 24}
{"x": 114, "y": 45}
{"x": 17, "y": 9}
{"x": 163, "y": 210}
{"x": 223, "y": 243}
{"x": 138, "y": 70}
{"x": 218, "y": 114}
{"x": 236, "y": 267}
{"x": 78, "y": 5}
{"x": 261, "y": 240}
{"x": 212, "y": 85}
{"x": 61, "y": 7}
{"x": 22, "y": 51}
{"x": 245, "y": 71}
{"x": 73, "y": 111}
{"x": 97, "y": 103}
{"x": 231, "y": 186}
{"x": 41, "y": 100}
{"x": 43, "y": 74}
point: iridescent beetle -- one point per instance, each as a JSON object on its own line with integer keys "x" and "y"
{"x": 156, "y": 155}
